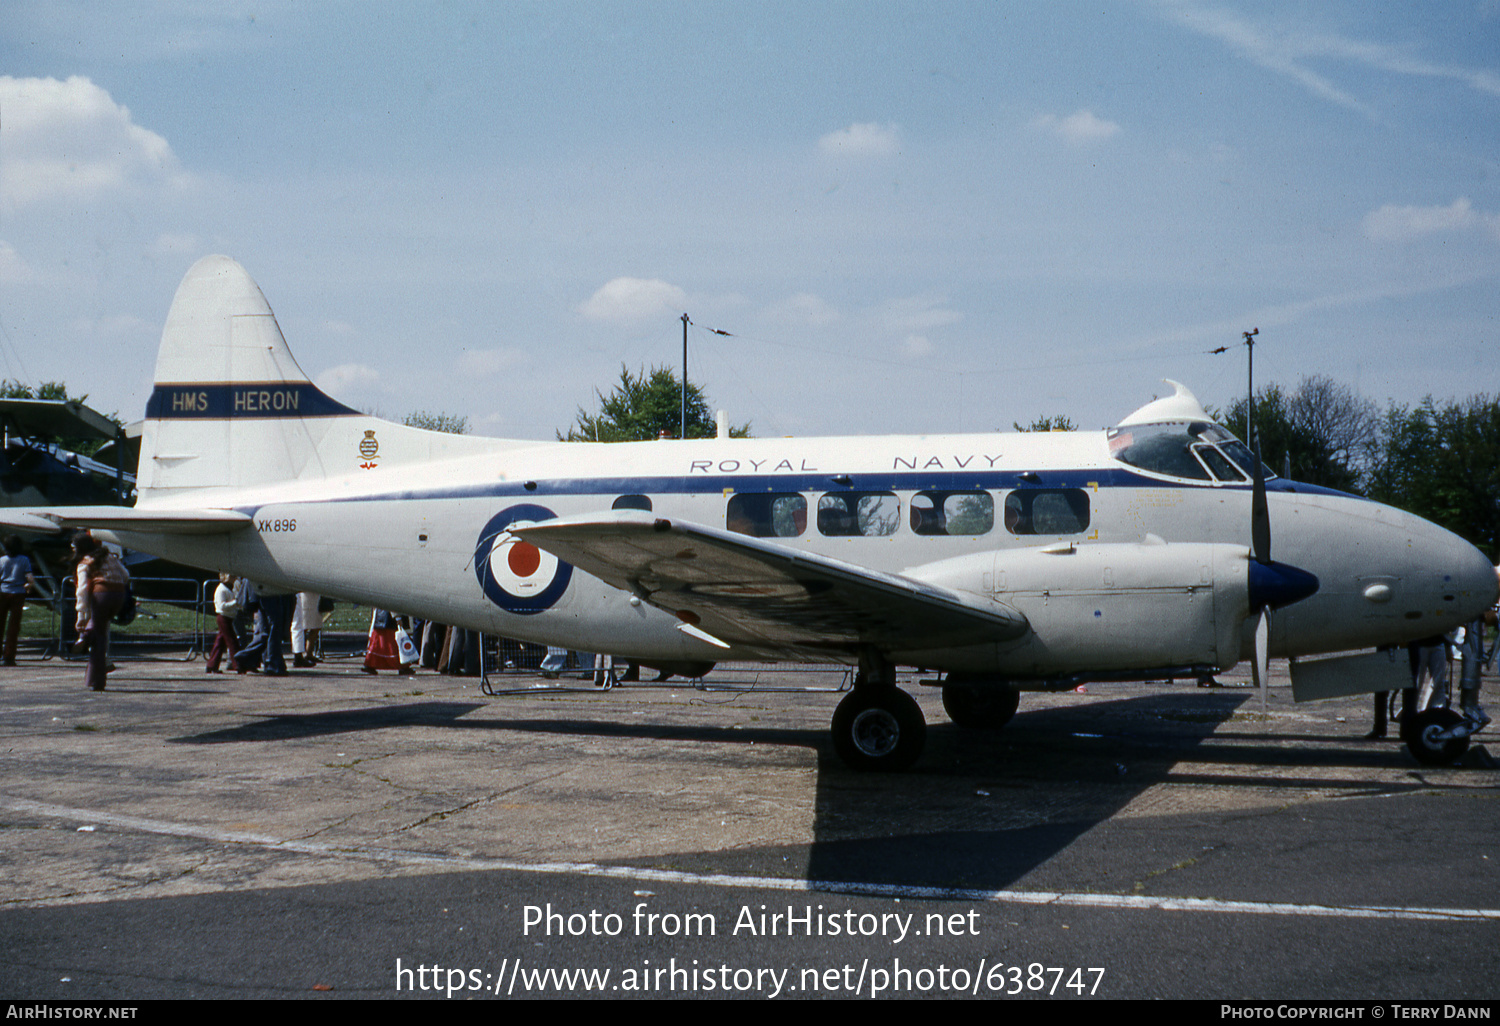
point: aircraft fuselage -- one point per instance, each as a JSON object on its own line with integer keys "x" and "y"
{"x": 418, "y": 532}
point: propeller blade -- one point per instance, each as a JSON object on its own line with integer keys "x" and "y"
{"x": 1260, "y": 668}
{"x": 1260, "y": 516}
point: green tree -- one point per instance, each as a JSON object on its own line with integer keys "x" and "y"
{"x": 446, "y": 422}
{"x": 1346, "y": 423}
{"x": 1048, "y": 423}
{"x": 1294, "y": 437}
{"x": 1442, "y": 462}
{"x": 10, "y": 389}
{"x": 57, "y": 391}
{"x": 646, "y": 405}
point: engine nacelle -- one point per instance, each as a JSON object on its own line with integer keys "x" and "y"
{"x": 1132, "y": 606}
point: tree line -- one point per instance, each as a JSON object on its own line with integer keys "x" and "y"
{"x": 1437, "y": 459}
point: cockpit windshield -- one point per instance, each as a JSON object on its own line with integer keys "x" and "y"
{"x": 1196, "y": 450}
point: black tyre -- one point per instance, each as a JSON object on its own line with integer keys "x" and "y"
{"x": 979, "y": 706}
{"x": 1421, "y": 737}
{"x": 879, "y": 730}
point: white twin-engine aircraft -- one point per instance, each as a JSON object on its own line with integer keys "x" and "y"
{"x": 1006, "y": 561}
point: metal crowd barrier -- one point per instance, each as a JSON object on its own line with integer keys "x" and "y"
{"x": 153, "y": 630}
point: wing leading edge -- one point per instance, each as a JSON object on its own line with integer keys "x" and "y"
{"x": 764, "y": 596}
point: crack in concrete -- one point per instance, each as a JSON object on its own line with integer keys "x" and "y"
{"x": 482, "y": 800}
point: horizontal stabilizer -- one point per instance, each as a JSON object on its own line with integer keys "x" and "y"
{"x": 765, "y": 595}
{"x": 55, "y": 519}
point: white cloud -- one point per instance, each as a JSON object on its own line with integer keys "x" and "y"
{"x": 71, "y": 140}
{"x": 13, "y": 269}
{"x": 486, "y": 363}
{"x": 1289, "y": 50}
{"x": 631, "y": 300}
{"x": 916, "y": 345}
{"x": 865, "y": 139}
{"x": 917, "y": 314}
{"x": 348, "y": 381}
{"x": 1394, "y": 224}
{"x": 1079, "y": 128}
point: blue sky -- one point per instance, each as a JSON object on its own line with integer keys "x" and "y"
{"x": 911, "y": 217}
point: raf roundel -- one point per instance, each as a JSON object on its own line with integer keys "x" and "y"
{"x": 516, "y": 575}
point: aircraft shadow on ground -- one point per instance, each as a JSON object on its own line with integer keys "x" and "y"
{"x": 981, "y": 809}
{"x": 1067, "y": 770}
{"x": 342, "y": 721}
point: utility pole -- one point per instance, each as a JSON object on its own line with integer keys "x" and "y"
{"x": 1250, "y": 389}
{"x": 682, "y": 432}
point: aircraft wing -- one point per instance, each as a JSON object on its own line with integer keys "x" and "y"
{"x": 762, "y": 594}
{"x": 54, "y": 519}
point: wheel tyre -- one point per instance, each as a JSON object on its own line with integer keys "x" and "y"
{"x": 979, "y": 707}
{"x": 879, "y": 730}
{"x": 1421, "y": 737}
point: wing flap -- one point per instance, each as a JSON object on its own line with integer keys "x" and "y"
{"x": 55, "y": 519}
{"x": 767, "y": 595}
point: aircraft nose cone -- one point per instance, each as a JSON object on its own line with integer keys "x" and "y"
{"x": 1279, "y": 584}
{"x": 1474, "y": 579}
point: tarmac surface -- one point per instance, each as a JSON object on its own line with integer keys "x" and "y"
{"x": 331, "y": 834}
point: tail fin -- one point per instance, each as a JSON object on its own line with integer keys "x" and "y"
{"x": 232, "y": 409}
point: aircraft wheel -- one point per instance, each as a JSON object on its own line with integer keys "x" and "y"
{"x": 1421, "y": 737}
{"x": 879, "y": 729}
{"x": 980, "y": 707}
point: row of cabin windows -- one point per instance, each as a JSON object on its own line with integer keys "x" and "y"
{"x": 1046, "y": 511}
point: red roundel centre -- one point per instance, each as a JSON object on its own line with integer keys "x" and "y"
{"x": 523, "y": 558}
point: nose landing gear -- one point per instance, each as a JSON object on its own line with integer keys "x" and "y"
{"x": 1438, "y": 736}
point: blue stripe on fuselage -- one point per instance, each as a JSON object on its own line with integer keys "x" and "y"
{"x": 786, "y": 483}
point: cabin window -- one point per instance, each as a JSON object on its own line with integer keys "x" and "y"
{"x": 858, "y": 514}
{"x": 633, "y": 502}
{"x": 767, "y": 514}
{"x": 952, "y": 513}
{"x": 1047, "y": 511}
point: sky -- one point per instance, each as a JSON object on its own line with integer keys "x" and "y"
{"x": 909, "y": 218}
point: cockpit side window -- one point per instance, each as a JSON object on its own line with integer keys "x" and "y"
{"x": 1162, "y": 448}
{"x": 1241, "y": 454}
{"x": 1217, "y": 462}
{"x": 1195, "y": 450}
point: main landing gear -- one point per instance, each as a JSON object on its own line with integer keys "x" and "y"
{"x": 976, "y": 704}
{"x": 878, "y": 727}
